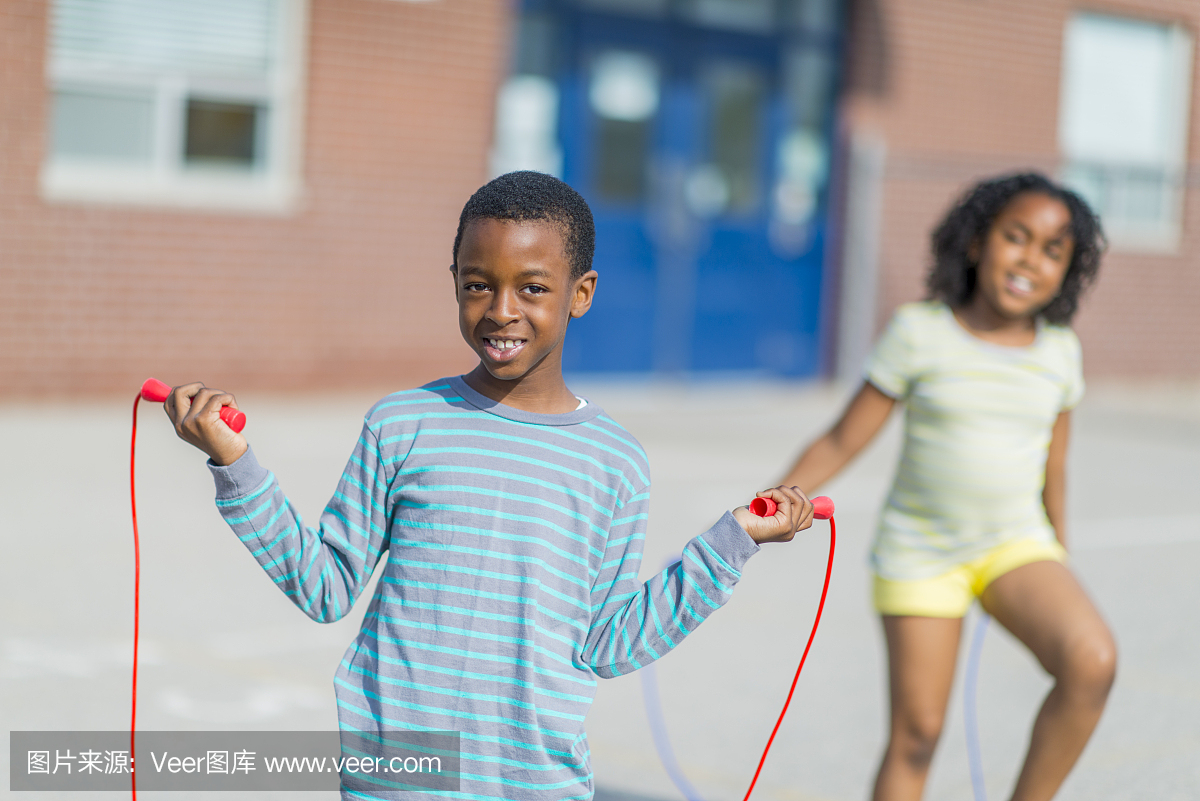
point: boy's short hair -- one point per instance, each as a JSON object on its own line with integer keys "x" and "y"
{"x": 525, "y": 196}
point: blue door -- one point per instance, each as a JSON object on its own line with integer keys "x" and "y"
{"x": 700, "y": 134}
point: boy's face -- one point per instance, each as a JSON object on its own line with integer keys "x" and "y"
{"x": 515, "y": 296}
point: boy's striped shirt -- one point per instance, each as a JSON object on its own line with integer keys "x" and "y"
{"x": 511, "y": 543}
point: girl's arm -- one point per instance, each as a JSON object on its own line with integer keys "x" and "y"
{"x": 1054, "y": 493}
{"x": 864, "y": 416}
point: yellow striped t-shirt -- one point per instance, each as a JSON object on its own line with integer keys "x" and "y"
{"x": 978, "y": 418}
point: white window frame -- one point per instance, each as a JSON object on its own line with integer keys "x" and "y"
{"x": 1111, "y": 184}
{"x": 273, "y": 187}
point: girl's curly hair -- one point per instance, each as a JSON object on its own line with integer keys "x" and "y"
{"x": 952, "y": 277}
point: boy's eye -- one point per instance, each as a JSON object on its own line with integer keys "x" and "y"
{"x": 475, "y": 286}
{"x": 534, "y": 289}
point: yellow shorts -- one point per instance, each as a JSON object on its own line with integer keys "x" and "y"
{"x": 951, "y": 594}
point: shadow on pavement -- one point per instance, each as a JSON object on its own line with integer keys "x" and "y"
{"x": 605, "y": 794}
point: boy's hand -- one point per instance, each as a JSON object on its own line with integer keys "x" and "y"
{"x": 794, "y": 513}
{"x": 195, "y": 411}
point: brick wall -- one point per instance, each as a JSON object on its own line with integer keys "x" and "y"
{"x": 352, "y": 289}
{"x": 961, "y": 89}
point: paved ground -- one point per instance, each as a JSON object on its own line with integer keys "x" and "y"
{"x": 222, "y": 648}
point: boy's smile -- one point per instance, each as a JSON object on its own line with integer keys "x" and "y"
{"x": 503, "y": 349}
{"x": 515, "y": 296}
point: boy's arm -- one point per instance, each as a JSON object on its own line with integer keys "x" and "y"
{"x": 633, "y": 624}
{"x": 322, "y": 570}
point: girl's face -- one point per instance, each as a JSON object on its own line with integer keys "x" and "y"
{"x": 1024, "y": 257}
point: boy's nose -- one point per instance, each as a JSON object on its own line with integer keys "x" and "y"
{"x": 504, "y": 308}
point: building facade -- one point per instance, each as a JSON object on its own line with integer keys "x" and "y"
{"x": 701, "y": 133}
{"x": 264, "y": 195}
{"x": 939, "y": 93}
{"x": 268, "y": 204}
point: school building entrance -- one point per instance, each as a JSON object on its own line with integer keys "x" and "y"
{"x": 700, "y": 133}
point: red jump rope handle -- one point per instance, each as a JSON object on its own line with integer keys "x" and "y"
{"x": 157, "y": 392}
{"x": 765, "y": 507}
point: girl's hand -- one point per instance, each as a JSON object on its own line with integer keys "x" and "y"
{"x": 195, "y": 411}
{"x": 794, "y": 513}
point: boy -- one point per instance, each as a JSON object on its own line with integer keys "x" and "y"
{"x": 512, "y": 514}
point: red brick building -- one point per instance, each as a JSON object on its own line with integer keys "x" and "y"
{"x": 956, "y": 90}
{"x": 289, "y": 225}
{"x": 343, "y": 282}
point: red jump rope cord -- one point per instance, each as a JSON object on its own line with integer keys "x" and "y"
{"x": 796, "y": 678}
{"x": 137, "y": 582}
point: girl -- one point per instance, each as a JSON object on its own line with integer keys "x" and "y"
{"x": 988, "y": 372}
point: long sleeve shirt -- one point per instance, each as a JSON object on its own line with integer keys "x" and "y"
{"x": 511, "y": 544}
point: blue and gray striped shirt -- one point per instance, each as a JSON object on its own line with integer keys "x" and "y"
{"x": 511, "y": 543}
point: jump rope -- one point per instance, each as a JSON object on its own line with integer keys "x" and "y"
{"x": 156, "y": 391}
{"x": 763, "y": 507}
{"x": 970, "y": 716}
{"x": 662, "y": 740}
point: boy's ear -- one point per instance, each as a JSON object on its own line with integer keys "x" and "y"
{"x": 454, "y": 275}
{"x": 585, "y": 290}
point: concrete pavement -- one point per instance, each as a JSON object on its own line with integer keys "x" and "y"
{"x": 223, "y": 649}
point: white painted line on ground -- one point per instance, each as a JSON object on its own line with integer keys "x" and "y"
{"x": 1131, "y": 532}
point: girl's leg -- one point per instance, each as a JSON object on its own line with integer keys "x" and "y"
{"x": 921, "y": 656}
{"x": 1045, "y": 608}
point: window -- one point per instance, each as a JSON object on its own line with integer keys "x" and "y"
{"x": 803, "y": 155}
{"x": 175, "y": 102}
{"x": 623, "y": 92}
{"x": 728, "y": 182}
{"x": 526, "y": 134}
{"x": 1123, "y": 125}
{"x": 738, "y": 98}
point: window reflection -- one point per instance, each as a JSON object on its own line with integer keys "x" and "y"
{"x": 623, "y": 94}
{"x": 737, "y": 94}
{"x": 527, "y": 126}
{"x": 1123, "y": 124}
{"x": 640, "y": 8}
{"x": 802, "y": 157}
{"x": 221, "y": 134}
{"x": 813, "y": 15}
{"x": 103, "y": 127}
{"x": 756, "y": 16}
